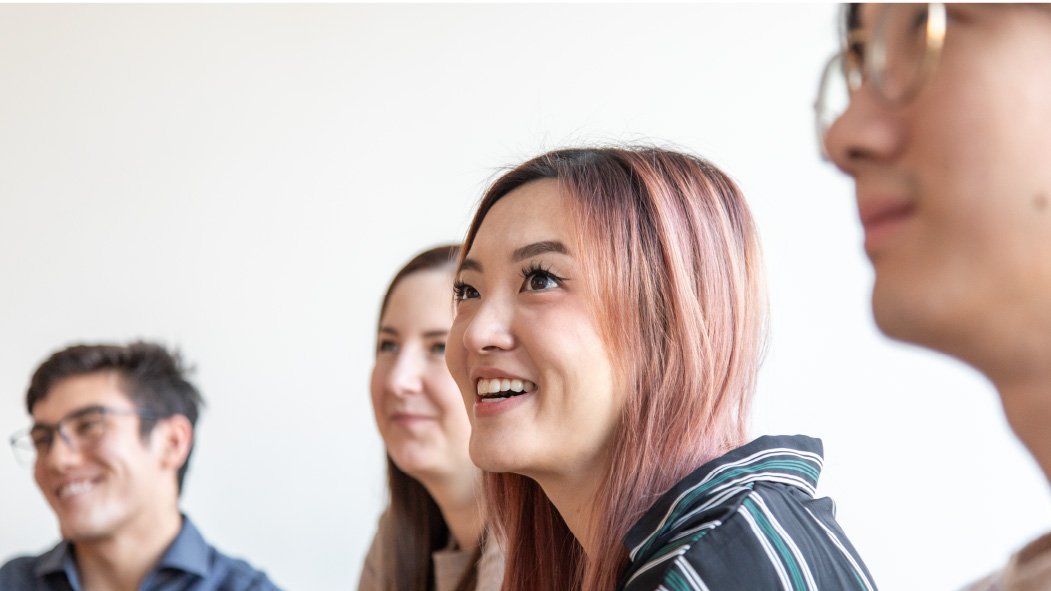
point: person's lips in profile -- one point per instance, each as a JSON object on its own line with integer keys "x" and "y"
{"x": 881, "y": 216}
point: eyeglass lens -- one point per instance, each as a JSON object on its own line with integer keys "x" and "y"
{"x": 899, "y": 55}
{"x": 79, "y": 432}
{"x": 895, "y": 60}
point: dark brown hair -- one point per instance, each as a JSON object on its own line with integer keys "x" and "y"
{"x": 152, "y": 377}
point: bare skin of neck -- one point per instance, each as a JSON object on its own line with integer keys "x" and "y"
{"x": 1027, "y": 405}
{"x": 574, "y": 494}
{"x": 459, "y": 499}
{"x": 120, "y": 562}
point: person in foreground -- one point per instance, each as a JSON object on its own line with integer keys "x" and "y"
{"x": 607, "y": 338}
{"x": 110, "y": 444}
{"x": 433, "y": 536}
{"x": 941, "y": 115}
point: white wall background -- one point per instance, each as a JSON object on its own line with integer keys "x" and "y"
{"x": 242, "y": 181}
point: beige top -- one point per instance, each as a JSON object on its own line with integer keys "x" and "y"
{"x": 449, "y": 564}
{"x": 1028, "y": 570}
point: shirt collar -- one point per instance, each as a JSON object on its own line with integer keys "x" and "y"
{"x": 55, "y": 560}
{"x": 188, "y": 552}
{"x": 792, "y": 460}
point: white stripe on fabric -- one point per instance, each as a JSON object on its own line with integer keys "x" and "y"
{"x": 657, "y": 561}
{"x": 690, "y": 574}
{"x": 751, "y": 459}
{"x": 771, "y": 553}
{"x": 808, "y": 577}
{"x": 835, "y": 540}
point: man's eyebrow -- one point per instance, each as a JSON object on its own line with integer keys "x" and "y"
{"x": 71, "y": 415}
{"x": 538, "y": 248}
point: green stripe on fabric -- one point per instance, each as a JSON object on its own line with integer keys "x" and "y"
{"x": 801, "y": 466}
{"x": 676, "y": 582}
{"x": 786, "y": 556}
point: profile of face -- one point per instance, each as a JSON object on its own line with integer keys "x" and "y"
{"x": 953, "y": 186}
{"x": 524, "y": 349}
{"x": 105, "y": 487}
{"x": 417, "y": 406}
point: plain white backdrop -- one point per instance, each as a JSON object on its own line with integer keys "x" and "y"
{"x": 242, "y": 181}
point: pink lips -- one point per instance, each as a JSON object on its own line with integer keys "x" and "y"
{"x": 404, "y": 418}
{"x": 881, "y": 217}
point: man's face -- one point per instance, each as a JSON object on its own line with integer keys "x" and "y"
{"x": 110, "y": 485}
{"x": 954, "y": 187}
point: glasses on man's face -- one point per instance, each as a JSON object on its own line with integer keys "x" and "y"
{"x": 895, "y": 56}
{"x": 80, "y": 430}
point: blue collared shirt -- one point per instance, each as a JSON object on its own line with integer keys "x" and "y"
{"x": 189, "y": 564}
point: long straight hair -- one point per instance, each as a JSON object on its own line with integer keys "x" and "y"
{"x": 673, "y": 271}
{"x": 418, "y": 525}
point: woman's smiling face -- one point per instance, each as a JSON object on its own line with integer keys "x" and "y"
{"x": 415, "y": 401}
{"x": 524, "y": 348}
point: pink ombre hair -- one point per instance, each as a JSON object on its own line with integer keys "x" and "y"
{"x": 674, "y": 273}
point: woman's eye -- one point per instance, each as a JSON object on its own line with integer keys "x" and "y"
{"x": 540, "y": 280}
{"x": 463, "y": 291}
{"x": 438, "y": 348}
{"x": 387, "y": 346}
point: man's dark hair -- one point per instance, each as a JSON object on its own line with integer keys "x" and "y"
{"x": 153, "y": 378}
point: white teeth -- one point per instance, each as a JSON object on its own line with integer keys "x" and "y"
{"x": 489, "y": 399}
{"x": 75, "y": 488}
{"x": 495, "y": 386}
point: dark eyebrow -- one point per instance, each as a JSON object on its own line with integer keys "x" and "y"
{"x": 469, "y": 264}
{"x": 388, "y": 330}
{"x": 537, "y": 248}
{"x": 519, "y": 254}
{"x": 72, "y": 415}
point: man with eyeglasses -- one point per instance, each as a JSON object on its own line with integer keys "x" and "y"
{"x": 942, "y": 115}
{"x": 110, "y": 444}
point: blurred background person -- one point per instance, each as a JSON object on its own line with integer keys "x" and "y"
{"x": 432, "y": 536}
{"x": 113, "y": 430}
{"x": 940, "y": 113}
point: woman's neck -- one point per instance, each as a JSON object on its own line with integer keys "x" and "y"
{"x": 459, "y": 499}
{"x": 574, "y": 495}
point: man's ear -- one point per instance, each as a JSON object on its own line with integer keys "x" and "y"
{"x": 174, "y": 436}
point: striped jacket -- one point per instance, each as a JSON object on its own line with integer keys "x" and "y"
{"x": 746, "y": 521}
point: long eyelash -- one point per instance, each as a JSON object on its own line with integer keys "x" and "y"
{"x": 459, "y": 287}
{"x": 538, "y": 269}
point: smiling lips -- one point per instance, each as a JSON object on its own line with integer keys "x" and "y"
{"x": 75, "y": 488}
{"x": 498, "y": 389}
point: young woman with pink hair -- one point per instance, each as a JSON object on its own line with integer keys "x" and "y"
{"x": 610, "y": 318}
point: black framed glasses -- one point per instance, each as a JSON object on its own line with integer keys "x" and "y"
{"x": 80, "y": 429}
{"x": 896, "y": 56}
